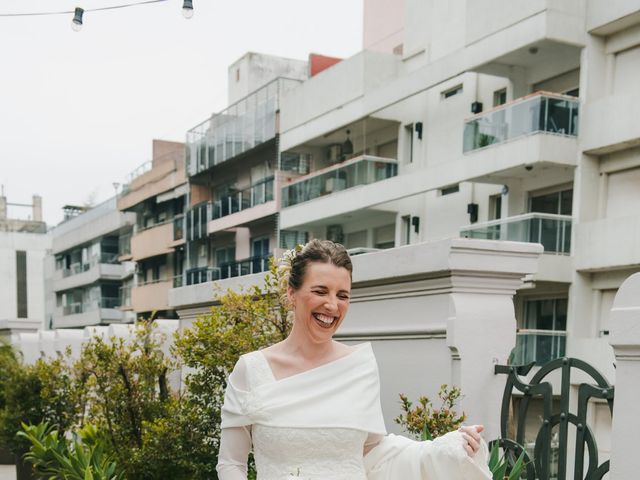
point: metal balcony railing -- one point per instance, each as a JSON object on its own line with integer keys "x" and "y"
{"x": 245, "y": 267}
{"x": 250, "y": 197}
{"x": 362, "y": 170}
{"x": 552, "y": 231}
{"x": 198, "y": 275}
{"x": 240, "y": 127}
{"x": 539, "y": 346}
{"x": 539, "y": 112}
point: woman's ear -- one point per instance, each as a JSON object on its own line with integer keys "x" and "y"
{"x": 291, "y": 293}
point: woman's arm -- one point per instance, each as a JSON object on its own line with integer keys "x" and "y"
{"x": 235, "y": 442}
{"x": 235, "y": 445}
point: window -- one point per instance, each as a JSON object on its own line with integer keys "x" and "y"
{"x": 21, "y": 283}
{"x": 495, "y": 207}
{"x": 406, "y": 230}
{"x": 500, "y": 97}
{"x": 543, "y": 336}
{"x": 451, "y": 92}
{"x": 356, "y": 239}
{"x": 290, "y": 238}
{"x": 384, "y": 237}
{"x": 408, "y": 143}
{"x": 450, "y": 189}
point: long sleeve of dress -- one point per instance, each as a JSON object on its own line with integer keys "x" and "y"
{"x": 445, "y": 457}
{"x": 235, "y": 442}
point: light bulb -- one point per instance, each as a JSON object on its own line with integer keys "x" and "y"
{"x": 76, "y": 23}
{"x": 187, "y": 9}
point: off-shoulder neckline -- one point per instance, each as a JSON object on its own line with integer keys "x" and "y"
{"x": 357, "y": 348}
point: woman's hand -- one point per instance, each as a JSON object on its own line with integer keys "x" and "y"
{"x": 471, "y": 435}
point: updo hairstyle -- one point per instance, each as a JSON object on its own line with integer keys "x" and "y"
{"x": 324, "y": 251}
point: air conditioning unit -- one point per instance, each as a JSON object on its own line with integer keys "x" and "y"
{"x": 334, "y": 233}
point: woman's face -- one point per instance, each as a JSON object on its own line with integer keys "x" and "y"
{"x": 322, "y": 301}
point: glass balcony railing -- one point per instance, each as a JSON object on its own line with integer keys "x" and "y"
{"x": 538, "y": 346}
{"x": 125, "y": 296}
{"x": 124, "y": 244}
{"x": 241, "y": 127}
{"x": 539, "y": 112}
{"x": 74, "y": 269}
{"x": 552, "y": 231}
{"x": 91, "y": 305}
{"x": 362, "y": 170}
{"x": 244, "y": 199}
{"x": 178, "y": 227}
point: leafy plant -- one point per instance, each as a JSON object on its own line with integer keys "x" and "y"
{"x": 426, "y": 422}
{"x": 499, "y": 465}
{"x": 84, "y": 457}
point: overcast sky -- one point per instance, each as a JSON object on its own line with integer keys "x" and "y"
{"x": 78, "y": 111}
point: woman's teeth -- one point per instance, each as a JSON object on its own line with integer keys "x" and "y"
{"x": 325, "y": 320}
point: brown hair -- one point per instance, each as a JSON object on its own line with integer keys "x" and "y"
{"x": 324, "y": 251}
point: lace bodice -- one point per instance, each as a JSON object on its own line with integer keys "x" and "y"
{"x": 302, "y": 453}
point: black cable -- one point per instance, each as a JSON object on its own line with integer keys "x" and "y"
{"x": 70, "y": 12}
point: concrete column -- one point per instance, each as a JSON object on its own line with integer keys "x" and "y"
{"x": 625, "y": 340}
{"x": 37, "y": 208}
{"x": 3, "y": 208}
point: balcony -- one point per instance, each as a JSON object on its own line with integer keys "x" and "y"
{"x": 244, "y": 199}
{"x": 363, "y": 170}
{"x": 245, "y": 267}
{"x": 124, "y": 247}
{"x": 198, "y": 275}
{"x": 552, "y": 231}
{"x": 152, "y": 241}
{"x": 237, "y": 268}
{"x": 104, "y": 267}
{"x": 538, "y": 346}
{"x": 245, "y": 206}
{"x": 101, "y": 311}
{"x": 151, "y": 296}
{"x": 536, "y": 113}
{"x": 243, "y": 126}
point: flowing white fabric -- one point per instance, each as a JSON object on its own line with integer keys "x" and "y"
{"x": 344, "y": 393}
{"x": 315, "y": 426}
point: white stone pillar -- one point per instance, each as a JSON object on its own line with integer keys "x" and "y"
{"x": 625, "y": 340}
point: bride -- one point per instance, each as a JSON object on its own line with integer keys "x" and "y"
{"x": 309, "y": 407}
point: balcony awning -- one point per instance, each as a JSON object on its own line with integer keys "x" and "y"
{"x": 179, "y": 191}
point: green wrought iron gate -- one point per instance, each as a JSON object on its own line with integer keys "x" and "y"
{"x": 540, "y": 388}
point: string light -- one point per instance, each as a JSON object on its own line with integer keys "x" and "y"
{"x": 77, "y": 21}
{"x": 187, "y": 9}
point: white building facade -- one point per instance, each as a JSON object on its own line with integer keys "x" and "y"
{"x": 23, "y": 247}
{"x": 86, "y": 275}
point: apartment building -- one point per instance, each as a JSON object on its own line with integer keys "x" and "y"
{"x": 24, "y": 243}
{"x": 235, "y": 173}
{"x": 155, "y": 193}
{"x": 86, "y": 274}
{"x": 497, "y": 120}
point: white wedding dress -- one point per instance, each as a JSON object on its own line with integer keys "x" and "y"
{"x": 317, "y": 425}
